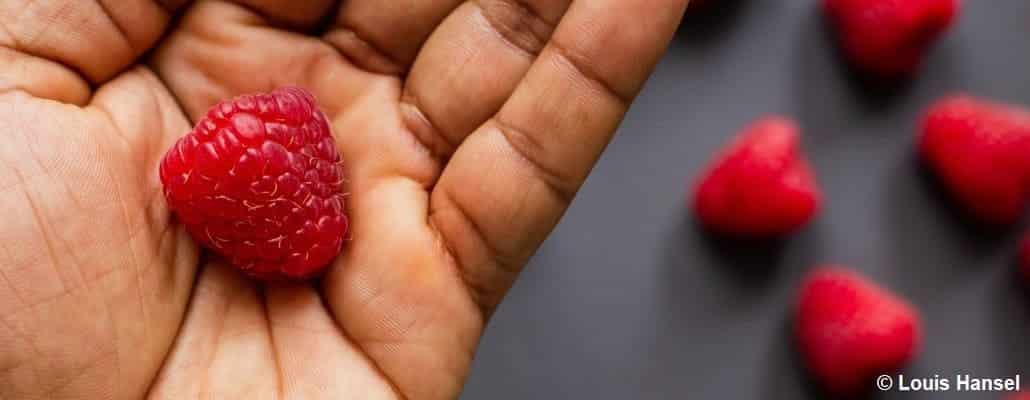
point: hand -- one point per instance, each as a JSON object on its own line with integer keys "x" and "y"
{"x": 466, "y": 129}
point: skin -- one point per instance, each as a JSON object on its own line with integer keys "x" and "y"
{"x": 466, "y": 128}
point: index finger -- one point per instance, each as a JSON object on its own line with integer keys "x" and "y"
{"x": 511, "y": 180}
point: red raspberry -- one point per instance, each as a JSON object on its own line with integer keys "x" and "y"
{"x": 889, "y": 37}
{"x": 761, "y": 185}
{"x": 849, "y": 331}
{"x": 980, "y": 149}
{"x": 258, "y": 181}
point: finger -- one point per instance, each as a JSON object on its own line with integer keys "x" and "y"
{"x": 471, "y": 64}
{"x": 385, "y": 36}
{"x": 511, "y": 180}
{"x": 222, "y": 349}
{"x": 221, "y": 50}
{"x": 315, "y": 359}
{"x": 74, "y": 43}
{"x": 392, "y": 289}
{"x": 41, "y": 78}
{"x": 239, "y": 340}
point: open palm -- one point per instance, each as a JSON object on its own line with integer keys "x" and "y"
{"x": 466, "y": 128}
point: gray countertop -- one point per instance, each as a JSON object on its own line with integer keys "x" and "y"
{"x": 630, "y": 300}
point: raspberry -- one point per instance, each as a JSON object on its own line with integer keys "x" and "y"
{"x": 258, "y": 182}
{"x": 979, "y": 150}
{"x": 849, "y": 330}
{"x": 761, "y": 185}
{"x": 889, "y": 38}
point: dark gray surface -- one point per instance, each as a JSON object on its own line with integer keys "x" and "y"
{"x": 629, "y": 300}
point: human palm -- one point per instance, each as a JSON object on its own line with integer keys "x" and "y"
{"x": 465, "y": 128}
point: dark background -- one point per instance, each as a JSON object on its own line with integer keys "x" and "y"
{"x": 630, "y": 300}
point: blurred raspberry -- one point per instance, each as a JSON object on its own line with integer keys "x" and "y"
{"x": 889, "y": 38}
{"x": 849, "y": 330}
{"x": 980, "y": 149}
{"x": 761, "y": 185}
